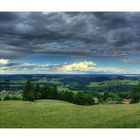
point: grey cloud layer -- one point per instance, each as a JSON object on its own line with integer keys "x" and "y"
{"x": 74, "y": 34}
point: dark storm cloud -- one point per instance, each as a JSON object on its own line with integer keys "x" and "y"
{"x": 7, "y": 17}
{"x": 75, "y": 34}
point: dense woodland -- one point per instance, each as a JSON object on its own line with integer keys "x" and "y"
{"x": 32, "y": 93}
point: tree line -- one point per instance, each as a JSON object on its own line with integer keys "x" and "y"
{"x": 33, "y": 92}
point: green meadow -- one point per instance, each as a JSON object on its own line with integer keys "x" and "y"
{"x": 61, "y": 114}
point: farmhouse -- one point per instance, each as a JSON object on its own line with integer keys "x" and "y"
{"x": 126, "y": 101}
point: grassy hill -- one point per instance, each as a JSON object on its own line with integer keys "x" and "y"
{"x": 60, "y": 114}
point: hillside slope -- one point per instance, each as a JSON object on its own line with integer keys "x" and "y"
{"x": 60, "y": 114}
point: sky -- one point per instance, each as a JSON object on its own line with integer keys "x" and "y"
{"x": 69, "y": 43}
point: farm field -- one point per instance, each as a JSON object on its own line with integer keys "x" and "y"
{"x": 75, "y": 83}
{"x": 61, "y": 114}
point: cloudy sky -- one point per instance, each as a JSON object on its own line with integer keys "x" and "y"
{"x": 85, "y": 42}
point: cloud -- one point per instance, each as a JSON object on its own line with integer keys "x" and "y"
{"x": 87, "y": 66}
{"x": 4, "y": 61}
{"x": 77, "y": 67}
{"x": 84, "y": 34}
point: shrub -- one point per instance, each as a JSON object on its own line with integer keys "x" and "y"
{"x": 7, "y": 97}
{"x": 84, "y": 99}
{"x": 10, "y": 96}
{"x": 66, "y": 95}
{"x": 17, "y": 97}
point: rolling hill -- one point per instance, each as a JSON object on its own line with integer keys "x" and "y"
{"x": 60, "y": 114}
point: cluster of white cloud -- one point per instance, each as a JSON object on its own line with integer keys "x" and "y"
{"x": 75, "y": 67}
{"x": 4, "y": 61}
{"x": 79, "y": 66}
{"x": 87, "y": 66}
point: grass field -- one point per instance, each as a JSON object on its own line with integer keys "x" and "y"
{"x": 60, "y": 114}
{"x": 113, "y": 82}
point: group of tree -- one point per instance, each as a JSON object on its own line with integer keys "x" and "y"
{"x": 135, "y": 95}
{"x": 33, "y": 92}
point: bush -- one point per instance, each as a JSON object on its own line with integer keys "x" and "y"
{"x": 66, "y": 95}
{"x": 30, "y": 96}
{"x": 84, "y": 99}
{"x": 17, "y": 97}
{"x": 7, "y": 97}
{"x": 10, "y": 96}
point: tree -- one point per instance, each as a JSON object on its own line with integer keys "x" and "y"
{"x": 66, "y": 95}
{"x": 44, "y": 92}
{"x": 111, "y": 97}
{"x": 106, "y": 96}
{"x": 54, "y": 92}
{"x": 37, "y": 90}
{"x": 49, "y": 92}
{"x": 136, "y": 94}
{"x": 28, "y": 93}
